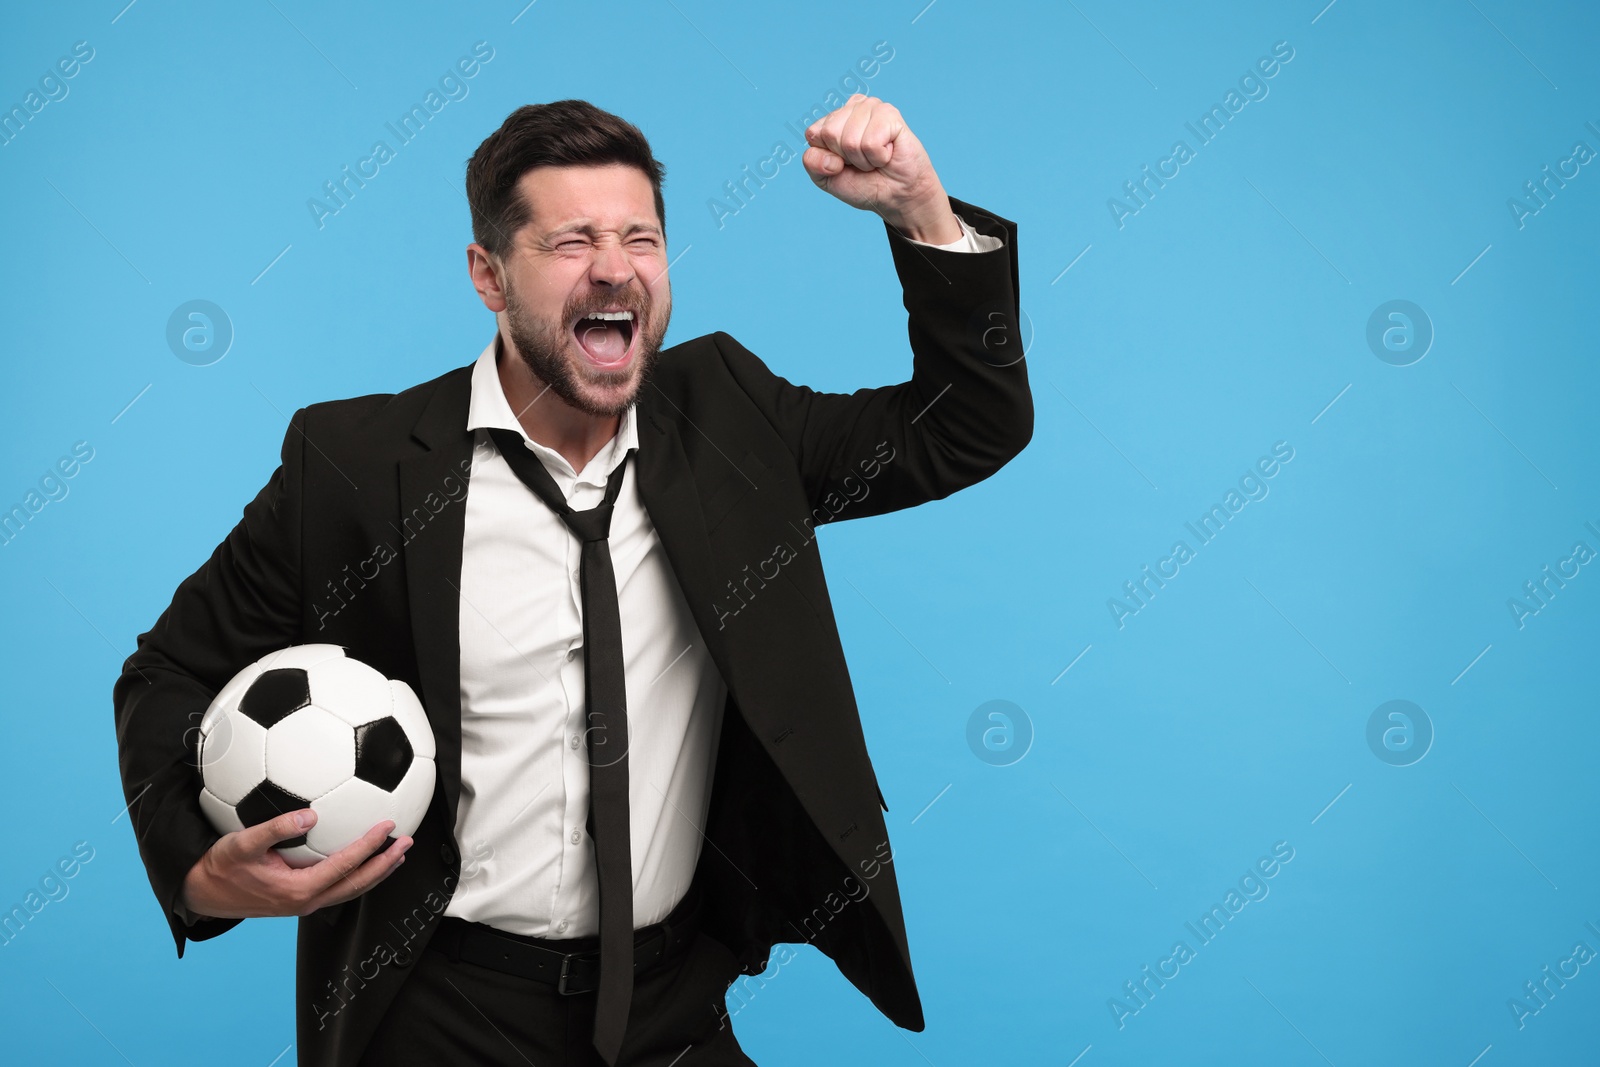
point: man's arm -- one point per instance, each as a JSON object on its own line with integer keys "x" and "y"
{"x": 967, "y": 408}
{"x": 241, "y": 604}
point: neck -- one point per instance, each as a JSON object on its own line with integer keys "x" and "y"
{"x": 549, "y": 419}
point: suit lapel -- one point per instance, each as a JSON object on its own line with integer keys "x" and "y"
{"x": 432, "y": 540}
{"x": 668, "y": 490}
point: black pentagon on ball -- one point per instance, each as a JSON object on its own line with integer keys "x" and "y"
{"x": 383, "y": 753}
{"x": 275, "y": 694}
{"x": 267, "y": 801}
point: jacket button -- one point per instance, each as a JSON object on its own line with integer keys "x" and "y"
{"x": 403, "y": 958}
{"x": 447, "y": 852}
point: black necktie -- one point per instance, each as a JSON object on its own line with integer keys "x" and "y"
{"x": 606, "y": 719}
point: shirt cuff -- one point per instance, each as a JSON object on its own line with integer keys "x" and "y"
{"x": 189, "y": 918}
{"x": 969, "y": 241}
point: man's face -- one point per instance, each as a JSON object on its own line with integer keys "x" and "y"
{"x": 592, "y": 246}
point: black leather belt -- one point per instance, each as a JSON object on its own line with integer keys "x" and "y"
{"x": 572, "y": 965}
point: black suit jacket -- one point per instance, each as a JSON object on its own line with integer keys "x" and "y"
{"x": 356, "y": 540}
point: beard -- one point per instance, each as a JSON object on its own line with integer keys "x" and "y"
{"x": 546, "y": 348}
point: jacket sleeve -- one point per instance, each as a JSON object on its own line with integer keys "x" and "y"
{"x": 241, "y": 604}
{"x": 966, "y": 410}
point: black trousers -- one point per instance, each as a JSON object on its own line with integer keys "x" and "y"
{"x": 458, "y": 1013}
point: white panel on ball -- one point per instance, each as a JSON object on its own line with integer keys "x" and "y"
{"x": 220, "y": 812}
{"x": 310, "y": 752}
{"x": 351, "y": 690}
{"x": 302, "y": 656}
{"x": 233, "y": 757}
{"x": 300, "y": 856}
{"x": 347, "y": 812}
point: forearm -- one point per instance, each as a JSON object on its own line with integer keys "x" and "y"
{"x": 241, "y": 603}
{"x": 965, "y": 411}
{"x": 158, "y": 711}
{"x": 968, "y": 408}
{"x": 931, "y": 221}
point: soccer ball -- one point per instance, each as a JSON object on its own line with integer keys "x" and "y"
{"x": 307, "y": 726}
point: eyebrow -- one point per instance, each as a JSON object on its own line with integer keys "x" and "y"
{"x": 587, "y": 227}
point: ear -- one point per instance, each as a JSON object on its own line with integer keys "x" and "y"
{"x": 487, "y": 272}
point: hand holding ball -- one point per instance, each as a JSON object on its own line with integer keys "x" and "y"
{"x": 307, "y": 727}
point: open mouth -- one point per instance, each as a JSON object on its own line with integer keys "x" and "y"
{"x": 606, "y": 337}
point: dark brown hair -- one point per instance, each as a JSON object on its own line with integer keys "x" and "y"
{"x": 558, "y": 134}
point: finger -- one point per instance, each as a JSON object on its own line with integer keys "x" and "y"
{"x": 837, "y": 133}
{"x": 257, "y": 839}
{"x": 878, "y": 142}
{"x": 824, "y": 133}
{"x": 815, "y": 131}
{"x": 374, "y": 870}
{"x": 853, "y": 133}
{"x": 821, "y": 164}
{"x": 320, "y": 876}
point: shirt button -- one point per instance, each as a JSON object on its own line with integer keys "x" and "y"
{"x": 575, "y": 740}
{"x": 561, "y": 927}
{"x": 575, "y": 835}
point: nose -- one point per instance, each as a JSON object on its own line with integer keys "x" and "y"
{"x": 610, "y": 266}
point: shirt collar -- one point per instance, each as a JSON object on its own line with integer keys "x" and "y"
{"x": 489, "y": 409}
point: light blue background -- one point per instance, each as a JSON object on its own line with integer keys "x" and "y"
{"x": 1223, "y": 317}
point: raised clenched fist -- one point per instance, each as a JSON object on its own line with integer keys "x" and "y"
{"x": 865, "y": 154}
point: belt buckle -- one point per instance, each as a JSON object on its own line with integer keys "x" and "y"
{"x": 561, "y": 979}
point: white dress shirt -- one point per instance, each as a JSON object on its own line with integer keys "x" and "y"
{"x": 524, "y": 764}
{"x": 528, "y": 863}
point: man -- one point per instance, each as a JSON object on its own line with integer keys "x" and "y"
{"x": 736, "y": 796}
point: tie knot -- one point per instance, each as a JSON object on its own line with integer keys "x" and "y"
{"x": 591, "y": 525}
